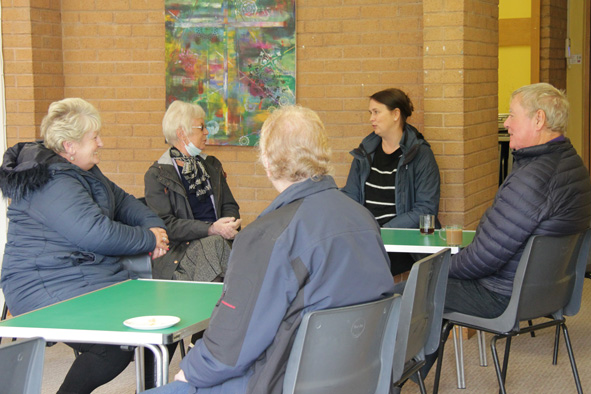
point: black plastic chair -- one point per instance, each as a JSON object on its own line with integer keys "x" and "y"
{"x": 548, "y": 283}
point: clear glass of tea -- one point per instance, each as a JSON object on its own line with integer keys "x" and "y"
{"x": 427, "y": 224}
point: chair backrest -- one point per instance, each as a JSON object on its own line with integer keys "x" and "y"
{"x": 546, "y": 275}
{"x": 140, "y": 264}
{"x": 582, "y": 269}
{"x": 588, "y": 268}
{"x": 548, "y": 281}
{"x": 415, "y": 329}
{"x": 21, "y": 366}
{"x": 339, "y": 350}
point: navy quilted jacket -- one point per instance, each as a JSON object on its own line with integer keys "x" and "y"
{"x": 548, "y": 193}
{"x": 67, "y": 227}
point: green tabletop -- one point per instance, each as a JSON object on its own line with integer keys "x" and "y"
{"x": 408, "y": 240}
{"x": 98, "y": 317}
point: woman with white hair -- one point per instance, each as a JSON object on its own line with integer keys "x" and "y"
{"x": 188, "y": 190}
{"x": 68, "y": 227}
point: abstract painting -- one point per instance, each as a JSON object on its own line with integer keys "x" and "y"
{"x": 236, "y": 59}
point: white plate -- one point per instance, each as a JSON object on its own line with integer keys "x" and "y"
{"x": 151, "y": 322}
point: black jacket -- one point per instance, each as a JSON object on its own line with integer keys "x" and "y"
{"x": 166, "y": 195}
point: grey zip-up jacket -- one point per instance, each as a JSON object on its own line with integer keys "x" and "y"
{"x": 417, "y": 177}
{"x": 166, "y": 195}
{"x": 312, "y": 248}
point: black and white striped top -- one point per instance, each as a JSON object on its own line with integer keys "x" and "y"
{"x": 380, "y": 189}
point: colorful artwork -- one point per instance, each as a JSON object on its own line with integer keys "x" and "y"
{"x": 234, "y": 58}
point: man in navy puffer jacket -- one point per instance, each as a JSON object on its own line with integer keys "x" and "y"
{"x": 547, "y": 193}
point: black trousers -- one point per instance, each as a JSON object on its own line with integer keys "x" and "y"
{"x": 95, "y": 366}
{"x": 400, "y": 262}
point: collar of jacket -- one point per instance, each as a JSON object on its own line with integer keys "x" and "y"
{"x": 166, "y": 159}
{"x": 409, "y": 144}
{"x": 300, "y": 190}
{"x": 28, "y": 166}
{"x": 537, "y": 150}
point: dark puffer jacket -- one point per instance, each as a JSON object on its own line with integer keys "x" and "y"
{"x": 547, "y": 193}
{"x": 67, "y": 227}
{"x": 417, "y": 177}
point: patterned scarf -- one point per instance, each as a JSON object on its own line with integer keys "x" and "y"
{"x": 195, "y": 174}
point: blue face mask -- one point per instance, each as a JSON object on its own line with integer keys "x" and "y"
{"x": 192, "y": 150}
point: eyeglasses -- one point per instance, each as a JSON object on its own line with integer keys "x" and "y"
{"x": 200, "y": 128}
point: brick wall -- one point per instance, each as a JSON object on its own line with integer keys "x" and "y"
{"x": 553, "y": 16}
{"x": 18, "y": 72}
{"x": 460, "y": 82}
{"x": 112, "y": 54}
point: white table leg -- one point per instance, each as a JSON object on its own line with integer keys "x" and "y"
{"x": 140, "y": 372}
{"x": 482, "y": 348}
{"x": 158, "y": 357}
{"x": 459, "y": 348}
{"x": 164, "y": 351}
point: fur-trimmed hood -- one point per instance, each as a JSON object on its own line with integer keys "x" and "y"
{"x": 25, "y": 169}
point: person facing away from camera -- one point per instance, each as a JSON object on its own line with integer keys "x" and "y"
{"x": 311, "y": 248}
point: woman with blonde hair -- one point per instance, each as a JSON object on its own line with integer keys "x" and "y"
{"x": 69, "y": 226}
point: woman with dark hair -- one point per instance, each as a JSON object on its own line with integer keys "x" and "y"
{"x": 394, "y": 173}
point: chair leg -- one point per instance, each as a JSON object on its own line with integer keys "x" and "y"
{"x": 506, "y": 359}
{"x": 421, "y": 382}
{"x": 495, "y": 356}
{"x": 4, "y": 314}
{"x": 182, "y": 346}
{"x": 482, "y": 348}
{"x": 532, "y": 333}
{"x": 459, "y": 352}
{"x": 445, "y": 329}
{"x": 571, "y": 356}
{"x": 556, "y": 342}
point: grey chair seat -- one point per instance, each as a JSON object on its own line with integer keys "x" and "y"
{"x": 414, "y": 328}
{"x": 339, "y": 350}
{"x": 548, "y": 283}
{"x": 21, "y": 366}
{"x": 372, "y": 347}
